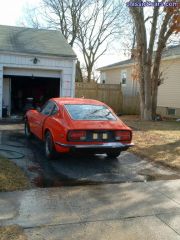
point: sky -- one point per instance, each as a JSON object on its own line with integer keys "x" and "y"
{"x": 11, "y": 13}
{"x": 12, "y": 10}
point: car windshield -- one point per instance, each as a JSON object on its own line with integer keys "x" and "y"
{"x": 89, "y": 112}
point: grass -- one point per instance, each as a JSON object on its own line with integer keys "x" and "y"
{"x": 158, "y": 141}
{"x": 11, "y": 176}
{"x": 12, "y": 233}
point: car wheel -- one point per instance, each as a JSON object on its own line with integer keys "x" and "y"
{"x": 113, "y": 153}
{"x": 50, "y": 151}
{"x": 27, "y": 130}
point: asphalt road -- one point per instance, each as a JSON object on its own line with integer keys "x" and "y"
{"x": 76, "y": 169}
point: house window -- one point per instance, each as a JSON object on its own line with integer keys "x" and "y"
{"x": 123, "y": 78}
{"x": 171, "y": 111}
{"x": 103, "y": 77}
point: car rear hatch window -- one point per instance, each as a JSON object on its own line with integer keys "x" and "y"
{"x": 90, "y": 112}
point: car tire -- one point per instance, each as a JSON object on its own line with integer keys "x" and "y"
{"x": 27, "y": 130}
{"x": 50, "y": 151}
{"x": 113, "y": 153}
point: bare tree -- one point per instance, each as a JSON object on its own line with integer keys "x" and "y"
{"x": 65, "y": 16}
{"x": 86, "y": 24}
{"x": 97, "y": 29}
{"x": 31, "y": 18}
{"x": 150, "y": 48}
{"x": 90, "y": 24}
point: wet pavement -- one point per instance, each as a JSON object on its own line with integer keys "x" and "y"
{"x": 76, "y": 169}
{"x": 138, "y": 206}
{"x": 126, "y": 211}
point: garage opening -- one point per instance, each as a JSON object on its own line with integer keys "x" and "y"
{"x": 38, "y": 89}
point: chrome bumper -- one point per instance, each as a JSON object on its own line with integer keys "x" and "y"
{"x": 112, "y": 145}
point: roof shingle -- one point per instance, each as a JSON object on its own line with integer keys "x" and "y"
{"x": 34, "y": 41}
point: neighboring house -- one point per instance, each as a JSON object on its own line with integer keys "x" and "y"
{"x": 34, "y": 63}
{"x": 168, "y": 92}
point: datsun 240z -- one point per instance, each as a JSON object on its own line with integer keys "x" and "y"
{"x": 68, "y": 124}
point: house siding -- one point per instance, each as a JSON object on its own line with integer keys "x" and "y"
{"x": 113, "y": 76}
{"x": 169, "y": 91}
{"x": 130, "y": 90}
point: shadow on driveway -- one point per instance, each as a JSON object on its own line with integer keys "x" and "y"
{"x": 77, "y": 169}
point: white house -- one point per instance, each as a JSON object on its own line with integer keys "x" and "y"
{"x": 34, "y": 63}
{"x": 168, "y": 102}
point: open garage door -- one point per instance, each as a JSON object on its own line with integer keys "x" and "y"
{"x": 40, "y": 89}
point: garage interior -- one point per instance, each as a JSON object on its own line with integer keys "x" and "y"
{"x": 36, "y": 89}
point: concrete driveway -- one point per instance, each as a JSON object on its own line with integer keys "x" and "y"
{"x": 127, "y": 211}
{"x": 123, "y": 203}
{"x": 76, "y": 169}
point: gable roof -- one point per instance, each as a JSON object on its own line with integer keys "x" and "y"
{"x": 168, "y": 52}
{"x": 171, "y": 51}
{"x": 125, "y": 62}
{"x": 34, "y": 41}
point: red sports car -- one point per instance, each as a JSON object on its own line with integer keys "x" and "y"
{"x": 67, "y": 124}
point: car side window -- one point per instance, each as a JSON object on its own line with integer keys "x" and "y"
{"x": 55, "y": 110}
{"x": 47, "y": 109}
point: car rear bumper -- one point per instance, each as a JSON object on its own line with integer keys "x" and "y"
{"x": 97, "y": 147}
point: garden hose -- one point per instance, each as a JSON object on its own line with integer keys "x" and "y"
{"x": 21, "y": 155}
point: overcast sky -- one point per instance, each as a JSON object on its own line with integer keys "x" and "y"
{"x": 12, "y": 10}
{"x": 11, "y": 13}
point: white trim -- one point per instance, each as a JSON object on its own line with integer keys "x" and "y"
{"x": 113, "y": 67}
{"x": 124, "y": 71}
{"x": 25, "y": 66}
{"x": 38, "y": 55}
{"x": 103, "y": 77}
{"x": 60, "y": 84}
{"x": 1, "y": 89}
{"x": 130, "y": 64}
{"x": 73, "y": 79}
{"x": 9, "y": 65}
{"x": 10, "y": 100}
{"x": 49, "y": 73}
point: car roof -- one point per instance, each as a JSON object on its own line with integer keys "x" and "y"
{"x": 68, "y": 100}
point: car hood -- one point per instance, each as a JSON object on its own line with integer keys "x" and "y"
{"x": 98, "y": 125}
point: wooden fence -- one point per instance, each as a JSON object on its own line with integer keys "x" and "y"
{"x": 110, "y": 94}
{"x": 131, "y": 104}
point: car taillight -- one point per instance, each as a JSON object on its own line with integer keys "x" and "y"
{"x": 123, "y": 135}
{"x": 77, "y": 135}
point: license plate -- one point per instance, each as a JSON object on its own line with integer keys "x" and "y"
{"x": 95, "y": 136}
{"x": 104, "y": 136}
